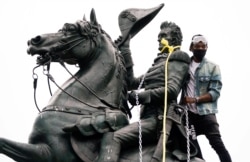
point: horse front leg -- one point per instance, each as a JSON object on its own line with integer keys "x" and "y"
{"x": 22, "y": 152}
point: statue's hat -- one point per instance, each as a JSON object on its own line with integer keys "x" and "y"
{"x": 132, "y": 20}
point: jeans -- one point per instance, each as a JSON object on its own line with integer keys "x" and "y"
{"x": 207, "y": 125}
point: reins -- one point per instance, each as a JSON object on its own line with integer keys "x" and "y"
{"x": 35, "y": 79}
{"x": 51, "y": 78}
{"x": 65, "y": 47}
{"x": 89, "y": 89}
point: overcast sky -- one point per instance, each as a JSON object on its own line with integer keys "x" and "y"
{"x": 225, "y": 23}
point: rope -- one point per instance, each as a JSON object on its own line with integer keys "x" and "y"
{"x": 170, "y": 50}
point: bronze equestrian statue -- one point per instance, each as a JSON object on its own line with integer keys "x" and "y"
{"x": 91, "y": 102}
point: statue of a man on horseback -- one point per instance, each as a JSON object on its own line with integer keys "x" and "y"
{"x": 89, "y": 113}
{"x": 162, "y": 83}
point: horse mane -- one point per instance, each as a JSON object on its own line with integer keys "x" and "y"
{"x": 122, "y": 72}
{"x": 91, "y": 30}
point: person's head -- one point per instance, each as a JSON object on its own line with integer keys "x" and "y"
{"x": 198, "y": 47}
{"x": 171, "y": 32}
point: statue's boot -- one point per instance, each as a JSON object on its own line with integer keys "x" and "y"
{"x": 110, "y": 149}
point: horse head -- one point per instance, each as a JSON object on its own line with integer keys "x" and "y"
{"x": 74, "y": 43}
{"x": 102, "y": 72}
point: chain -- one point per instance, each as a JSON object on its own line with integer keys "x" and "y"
{"x": 171, "y": 49}
{"x": 139, "y": 120}
{"x": 188, "y": 133}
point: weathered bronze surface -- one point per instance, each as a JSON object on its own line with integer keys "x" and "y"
{"x": 88, "y": 104}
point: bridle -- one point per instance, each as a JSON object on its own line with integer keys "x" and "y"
{"x": 88, "y": 31}
{"x": 45, "y": 61}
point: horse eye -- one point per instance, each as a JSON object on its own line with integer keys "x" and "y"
{"x": 71, "y": 28}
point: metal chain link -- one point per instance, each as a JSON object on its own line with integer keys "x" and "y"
{"x": 188, "y": 134}
{"x": 140, "y": 129}
{"x": 139, "y": 120}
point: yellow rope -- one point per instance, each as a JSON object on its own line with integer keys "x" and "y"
{"x": 170, "y": 51}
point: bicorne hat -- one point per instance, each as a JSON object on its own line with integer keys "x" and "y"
{"x": 132, "y": 20}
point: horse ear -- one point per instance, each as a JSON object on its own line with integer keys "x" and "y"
{"x": 84, "y": 18}
{"x": 93, "y": 19}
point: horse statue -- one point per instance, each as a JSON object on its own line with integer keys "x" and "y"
{"x": 91, "y": 102}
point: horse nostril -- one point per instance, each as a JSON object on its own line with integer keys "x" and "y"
{"x": 36, "y": 40}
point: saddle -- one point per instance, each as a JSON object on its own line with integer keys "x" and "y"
{"x": 87, "y": 149}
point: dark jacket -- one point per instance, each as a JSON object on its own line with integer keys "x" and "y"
{"x": 152, "y": 98}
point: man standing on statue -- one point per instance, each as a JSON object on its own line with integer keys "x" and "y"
{"x": 201, "y": 95}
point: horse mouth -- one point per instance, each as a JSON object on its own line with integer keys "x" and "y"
{"x": 43, "y": 55}
{"x": 35, "y": 51}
